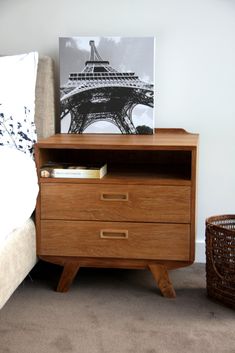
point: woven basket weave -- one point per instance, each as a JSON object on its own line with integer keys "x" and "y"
{"x": 220, "y": 258}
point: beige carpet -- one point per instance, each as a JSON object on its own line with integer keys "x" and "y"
{"x": 115, "y": 311}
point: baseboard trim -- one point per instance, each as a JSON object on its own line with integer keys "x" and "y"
{"x": 200, "y": 251}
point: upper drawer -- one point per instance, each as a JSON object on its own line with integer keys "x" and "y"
{"x": 115, "y": 202}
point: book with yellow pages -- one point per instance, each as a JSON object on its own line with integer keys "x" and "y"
{"x": 73, "y": 171}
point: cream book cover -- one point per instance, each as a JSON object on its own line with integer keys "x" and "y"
{"x": 80, "y": 172}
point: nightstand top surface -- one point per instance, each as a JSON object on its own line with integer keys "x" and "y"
{"x": 163, "y": 138}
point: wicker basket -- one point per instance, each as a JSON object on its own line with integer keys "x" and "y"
{"x": 220, "y": 258}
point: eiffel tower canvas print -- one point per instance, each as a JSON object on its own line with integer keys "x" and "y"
{"x": 107, "y": 85}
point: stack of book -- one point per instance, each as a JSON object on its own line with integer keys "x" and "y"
{"x": 73, "y": 171}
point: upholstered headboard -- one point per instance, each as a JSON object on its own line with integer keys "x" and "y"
{"x": 45, "y": 98}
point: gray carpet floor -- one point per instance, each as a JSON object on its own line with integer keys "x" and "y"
{"x": 115, "y": 311}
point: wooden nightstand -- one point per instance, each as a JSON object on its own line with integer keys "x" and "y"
{"x": 140, "y": 215}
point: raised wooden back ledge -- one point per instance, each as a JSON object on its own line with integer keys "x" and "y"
{"x": 172, "y": 130}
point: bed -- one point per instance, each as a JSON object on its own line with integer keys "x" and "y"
{"x": 18, "y": 247}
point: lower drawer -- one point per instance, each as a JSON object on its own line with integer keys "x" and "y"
{"x": 115, "y": 240}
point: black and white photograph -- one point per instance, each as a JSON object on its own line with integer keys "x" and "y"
{"x": 107, "y": 85}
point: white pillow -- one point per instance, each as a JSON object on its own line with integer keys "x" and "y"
{"x": 18, "y": 75}
{"x": 18, "y": 189}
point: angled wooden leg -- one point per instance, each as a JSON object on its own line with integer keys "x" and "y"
{"x": 69, "y": 272}
{"x": 161, "y": 276}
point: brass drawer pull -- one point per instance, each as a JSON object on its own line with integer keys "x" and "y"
{"x": 113, "y": 234}
{"x": 112, "y": 196}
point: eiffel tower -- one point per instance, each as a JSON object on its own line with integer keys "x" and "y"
{"x": 100, "y": 93}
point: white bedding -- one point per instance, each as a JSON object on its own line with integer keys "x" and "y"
{"x": 18, "y": 190}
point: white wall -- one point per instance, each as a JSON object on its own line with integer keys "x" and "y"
{"x": 195, "y": 70}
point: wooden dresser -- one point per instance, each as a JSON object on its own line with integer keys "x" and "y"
{"x": 140, "y": 215}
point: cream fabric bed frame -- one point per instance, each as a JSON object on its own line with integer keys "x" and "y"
{"x": 18, "y": 255}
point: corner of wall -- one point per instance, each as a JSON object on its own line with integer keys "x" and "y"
{"x": 200, "y": 251}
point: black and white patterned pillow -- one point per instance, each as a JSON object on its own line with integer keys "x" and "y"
{"x": 17, "y": 130}
{"x": 17, "y": 101}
